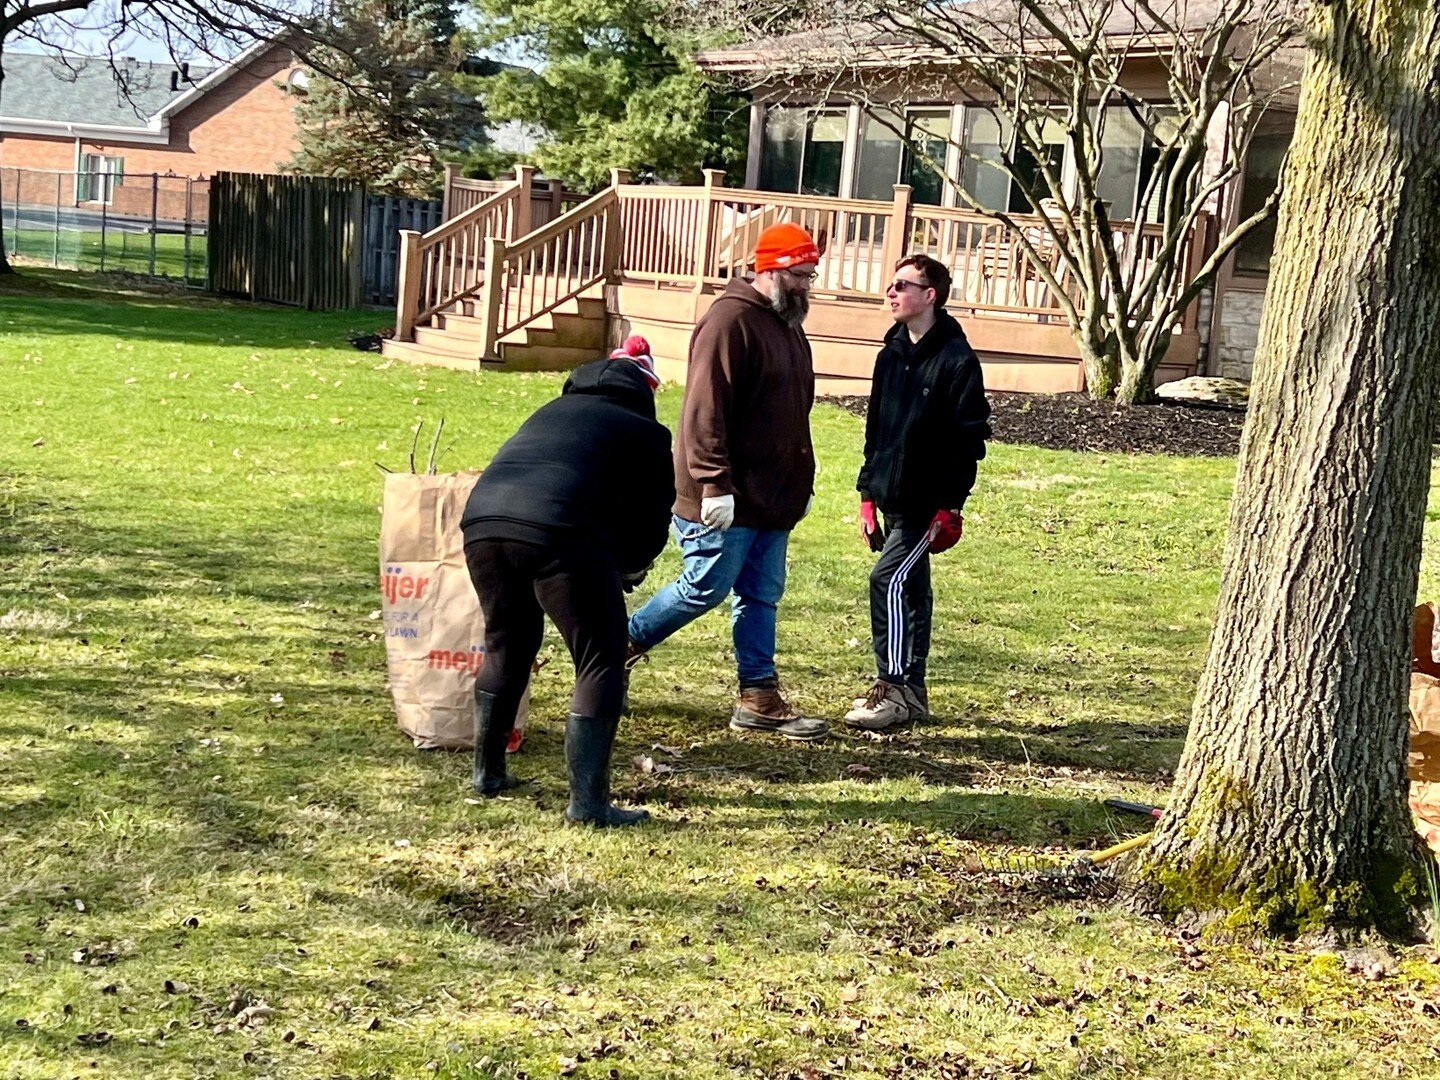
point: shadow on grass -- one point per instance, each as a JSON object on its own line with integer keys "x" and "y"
{"x": 63, "y": 303}
{"x": 136, "y": 724}
{"x": 121, "y": 709}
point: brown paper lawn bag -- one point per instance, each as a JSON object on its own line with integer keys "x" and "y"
{"x": 434, "y": 629}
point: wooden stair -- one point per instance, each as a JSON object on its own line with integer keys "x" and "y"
{"x": 572, "y": 334}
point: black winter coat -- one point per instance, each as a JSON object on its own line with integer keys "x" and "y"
{"x": 592, "y": 467}
{"x": 927, "y": 421}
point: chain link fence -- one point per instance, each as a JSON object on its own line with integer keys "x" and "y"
{"x": 103, "y": 220}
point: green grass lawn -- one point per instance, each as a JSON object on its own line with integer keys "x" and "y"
{"x": 88, "y": 250}
{"x": 205, "y": 804}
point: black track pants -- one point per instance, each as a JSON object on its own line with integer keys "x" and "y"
{"x": 901, "y": 601}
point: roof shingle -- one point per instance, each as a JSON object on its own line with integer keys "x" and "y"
{"x": 88, "y": 90}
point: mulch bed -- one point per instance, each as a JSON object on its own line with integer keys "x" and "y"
{"x": 1075, "y": 422}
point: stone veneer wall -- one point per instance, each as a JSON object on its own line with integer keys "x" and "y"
{"x": 1233, "y": 353}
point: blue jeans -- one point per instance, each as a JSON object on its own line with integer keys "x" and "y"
{"x": 751, "y": 562}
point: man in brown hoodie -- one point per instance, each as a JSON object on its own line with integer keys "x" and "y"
{"x": 744, "y": 472}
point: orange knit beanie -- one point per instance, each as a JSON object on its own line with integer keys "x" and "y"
{"x": 784, "y": 245}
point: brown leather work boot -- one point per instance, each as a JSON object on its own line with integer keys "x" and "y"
{"x": 764, "y": 708}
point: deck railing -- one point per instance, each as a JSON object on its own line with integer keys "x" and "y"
{"x": 549, "y": 267}
{"x": 547, "y": 202}
{"x": 446, "y": 265}
{"x": 704, "y": 236}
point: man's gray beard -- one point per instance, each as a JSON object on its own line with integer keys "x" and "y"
{"x": 790, "y": 306}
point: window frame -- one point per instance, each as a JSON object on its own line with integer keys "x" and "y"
{"x": 1251, "y": 273}
{"x": 109, "y": 176}
{"x": 811, "y": 113}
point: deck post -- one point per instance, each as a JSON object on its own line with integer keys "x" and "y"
{"x": 614, "y": 243}
{"x": 445, "y": 198}
{"x": 705, "y": 226}
{"x": 557, "y": 199}
{"x": 407, "y": 291}
{"x": 525, "y": 178}
{"x": 897, "y": 230}
{"x": 490, "y": 298}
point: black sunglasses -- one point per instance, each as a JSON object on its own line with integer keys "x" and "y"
{"x": 899, "y": 285}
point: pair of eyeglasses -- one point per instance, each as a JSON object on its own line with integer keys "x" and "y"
{"x": 806, "y": 275}
{"x": 899, "y": 285}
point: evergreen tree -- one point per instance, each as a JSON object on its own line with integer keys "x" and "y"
{"x": 613, "y": 88}
{"x": 400, "y": 102}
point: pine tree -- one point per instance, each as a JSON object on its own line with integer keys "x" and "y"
{"x": 400, "y": 103}
{"x": 613, "y": 88}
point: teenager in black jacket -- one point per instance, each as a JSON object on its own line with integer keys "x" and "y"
{"x": 925, "y": 430}
{"x": 568, "y": 517}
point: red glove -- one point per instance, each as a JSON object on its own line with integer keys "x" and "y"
{"x": 946, "y": 528}
{"x": 870, "y": 530}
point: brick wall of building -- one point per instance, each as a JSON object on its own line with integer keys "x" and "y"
{"x": 246, "y": 124}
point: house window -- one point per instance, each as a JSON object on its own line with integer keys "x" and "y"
{"x": 877, "y": 166}
{"x": 802, "y": 152}
{"x": 1133, "y": 166}
{"x": 885, "y": 159}
{"x": 926, "y": 154}
{"x": 983, "y": 176}
{"x": 1122, "y": 146}
{"x": 1262, "y": 175}
{"x": 99, "y": 177}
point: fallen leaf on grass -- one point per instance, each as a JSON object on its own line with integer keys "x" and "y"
{"x": 253, "y": 1014}
{"x": 94, "y": 1038}
{"x": 856, "y": 769}
{"x": 649, "y": 766}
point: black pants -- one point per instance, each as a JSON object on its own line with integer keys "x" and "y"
{"x": 901, "y": 600}
{"x": 518, "y": 585}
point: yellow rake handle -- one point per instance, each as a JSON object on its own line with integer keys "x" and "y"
{"x": 1120, "y": 848}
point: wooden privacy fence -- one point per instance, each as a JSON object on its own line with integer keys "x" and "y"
{"x": 385, "y": 216}
{"x": 288, "y": 239}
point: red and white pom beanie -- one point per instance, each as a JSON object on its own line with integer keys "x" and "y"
{"x": 637, "y": 350}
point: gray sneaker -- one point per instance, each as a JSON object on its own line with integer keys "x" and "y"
{"x": 764, "y": 708}
{"x": 887, "y": 705}
{"x": 922, "y": 702}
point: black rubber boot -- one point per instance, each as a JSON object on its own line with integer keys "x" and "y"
{"x": 588, "y": 743}
{"x": 493, "y": 724}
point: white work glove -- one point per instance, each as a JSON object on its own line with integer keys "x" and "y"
{"x": 718, "y": 511}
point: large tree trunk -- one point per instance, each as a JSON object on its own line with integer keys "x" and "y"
{"x": 5, "y": 267}
{"x": 1289, "y": 810}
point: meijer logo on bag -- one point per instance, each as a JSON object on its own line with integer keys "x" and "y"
{"x": 395, "y": 584}
{"x": 456, "y": 660}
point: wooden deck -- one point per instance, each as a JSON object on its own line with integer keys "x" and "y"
{"x": 658, "y": 256}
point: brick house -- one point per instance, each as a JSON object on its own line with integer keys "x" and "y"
{"x": 73, "y": 117}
